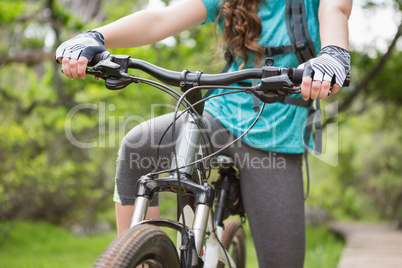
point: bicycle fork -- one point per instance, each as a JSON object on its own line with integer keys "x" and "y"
{"x": 186, "y": 151}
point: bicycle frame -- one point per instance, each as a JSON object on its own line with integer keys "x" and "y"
{"x": 275, "y": 82}
{"x": 187, "y": 148}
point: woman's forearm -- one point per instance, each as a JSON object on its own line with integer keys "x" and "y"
{"x": 333, "y": 17}
{"x": 149, "y": 26}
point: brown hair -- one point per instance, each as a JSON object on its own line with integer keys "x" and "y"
{"x": 242, "y": 29}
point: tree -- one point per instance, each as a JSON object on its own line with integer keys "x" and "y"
{"x": 366, "y": 183}
{"x": 44, "y": 173}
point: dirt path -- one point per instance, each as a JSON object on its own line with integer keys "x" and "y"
{"x": 370, "y": 245}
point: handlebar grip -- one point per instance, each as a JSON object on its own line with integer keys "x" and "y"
{"x": 297, "y": 77}
{"x": 98, "y": 57}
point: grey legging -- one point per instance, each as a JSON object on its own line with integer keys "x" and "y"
{"x": 271, "y": 185}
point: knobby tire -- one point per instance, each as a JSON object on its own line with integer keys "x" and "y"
{"x": 234, "y": 241}
{"x": 141, "y": 246}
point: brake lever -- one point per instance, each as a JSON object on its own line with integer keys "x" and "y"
{"x": 294, "y": 90}
{"x": 275, "y": 84}
{"x": 111, "y": 72}
{"x": 96, "y": 73}
{"x": 105, "y": 69}
{"x": 273, "y": 88}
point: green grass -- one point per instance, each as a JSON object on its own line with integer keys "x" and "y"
{"x": 323, "y": 248}
{"x": 42, "y": 245}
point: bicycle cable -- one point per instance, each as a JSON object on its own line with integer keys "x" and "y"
{"x": 162, "y": 87}
{"x": 205, "y": 132}
{"x": 219, "y": 241}
{"x": 173, "y": 94}
{"x": 209, "y": 156}
{"x": 223, "y": 148}
{"x": 181, "y": 100}
{"x": 177, "y": 169}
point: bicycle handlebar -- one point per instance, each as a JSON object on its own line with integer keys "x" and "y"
{"x": 116, "y": 66}
{"x": 174, "y": 78}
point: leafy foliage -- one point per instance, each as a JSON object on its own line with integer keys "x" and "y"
{"x": 366, "y": 182}
{"x": 45, "y": 175}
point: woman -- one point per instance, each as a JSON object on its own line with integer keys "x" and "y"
{"x": 272, "y": 194}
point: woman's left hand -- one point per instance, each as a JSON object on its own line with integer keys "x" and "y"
{"x": 328, "y": 69}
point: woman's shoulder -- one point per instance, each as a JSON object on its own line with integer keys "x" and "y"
{"x": 213, "y": 8}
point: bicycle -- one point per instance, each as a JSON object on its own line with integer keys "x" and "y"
{"x": 203, "y": 240}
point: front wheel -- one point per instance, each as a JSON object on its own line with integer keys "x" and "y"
{"x": 141, "y": 246}
{"x": 234, "y": 241}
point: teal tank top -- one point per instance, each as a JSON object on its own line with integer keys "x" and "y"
{"x": 281, "y": 127}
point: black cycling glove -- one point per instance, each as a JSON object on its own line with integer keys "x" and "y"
{"x": 86, "y": 44}
{"x": 331, "y": 63}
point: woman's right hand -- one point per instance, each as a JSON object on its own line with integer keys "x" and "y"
{"x": 75, "y": 53}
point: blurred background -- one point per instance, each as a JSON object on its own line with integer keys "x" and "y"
{"x": 56, "y": 203}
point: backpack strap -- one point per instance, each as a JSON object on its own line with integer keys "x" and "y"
{"x": 300, "y": 36}
{"x": 272, "y": 51}
{"x": 298, "y": 33}
{"x": 303, "y": 47}
{"x": 313, "y": 114}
